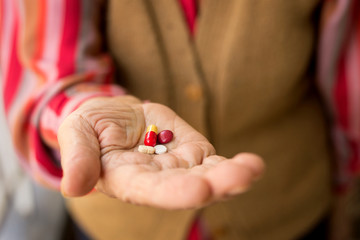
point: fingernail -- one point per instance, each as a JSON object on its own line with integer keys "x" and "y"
{"x": 238, "y": 190}
{"x": 92, "y": 191}
{"x": 64, "y": 194}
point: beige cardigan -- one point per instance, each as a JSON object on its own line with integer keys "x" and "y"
{"x": 245, "y": 81}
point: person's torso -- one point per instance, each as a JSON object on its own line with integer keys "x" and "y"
{"x": 245, "y": 81}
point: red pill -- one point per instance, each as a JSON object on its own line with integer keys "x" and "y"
{"x": 165, "y": 136}
{"x": 150, "y": 136}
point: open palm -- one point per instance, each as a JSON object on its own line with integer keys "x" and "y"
{"x": 99, "y": 142}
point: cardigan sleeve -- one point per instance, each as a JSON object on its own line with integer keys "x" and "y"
{"x": 52, "y": 59}
{"x": 339, "y": 82}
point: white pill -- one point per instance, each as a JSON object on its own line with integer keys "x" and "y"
{"x": 160, "y": 149}
{"x": 146, "y": 149}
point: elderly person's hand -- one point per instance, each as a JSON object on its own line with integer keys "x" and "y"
{"x": 99, "y": 142}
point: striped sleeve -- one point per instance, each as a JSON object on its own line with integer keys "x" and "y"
{"x": 339, "y": 81}
{"x": 51, "y": 60}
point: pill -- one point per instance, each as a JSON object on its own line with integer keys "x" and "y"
{"x": 146, "y": 149}
{"x": 165, "y": 136}
{"x": 160, "y": 149}
{"x": 151, "y": 136}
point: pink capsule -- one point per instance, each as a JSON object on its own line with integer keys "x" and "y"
{"x": 165, "y": 136}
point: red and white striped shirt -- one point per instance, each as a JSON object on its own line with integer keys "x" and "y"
{"x": 46, "y": 73}
{"x": 339, "y": 82}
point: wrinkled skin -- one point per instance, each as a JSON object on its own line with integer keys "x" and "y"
{"x": 98, "y": 145}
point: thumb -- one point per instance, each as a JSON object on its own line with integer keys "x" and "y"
{"x": 80, "y": 156}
